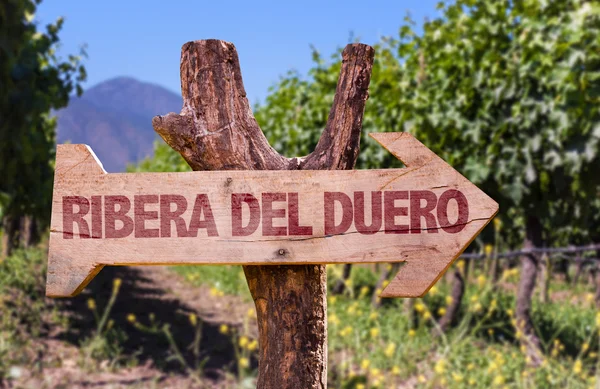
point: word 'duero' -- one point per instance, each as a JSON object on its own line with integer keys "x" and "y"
{"x": 117, "y": 216}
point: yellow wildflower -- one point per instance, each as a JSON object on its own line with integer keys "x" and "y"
{"x": 449, "y": 300}
{"x": 396, "y": 371}
{"x": 457, "y": 377}
{"x": 578, "y": 367}
{"x": 131, "y": 318}
{"x": 360, "y": 386}
{"x": 499, "y": 380}
{"x": 91, "y": 303}
{"x": 589, "y": 297}
{"x": 373, "y": 315}
{"x": 251, "y": 313}
{"x": 374, "y": 332}
{"x": 252, "y": 345}
{"x": 442, "y": 311}
{"x": 390, "y": 350}
{"x": 470, "y": 366}
{"x": 214, "y": 291}
{"x": 224, "y": 329}
{"x": 364, "y": 291}
{"x": 332, "y": 300}
{"x": 598, "y": 319}
{"x": 481, "y": 281}
{"x": 488, "y": 248}
{"x": 243, "y": 341}
{"x": 421, "y": 378}
{"x": 364, "y": 364}
{"x": 419, "y": 307}
{"x": 346, "y": 331}
{"x": 385, "y": 283}
{"x": 585, "y": 347}
{"x": 117, "y": 284}
{"x": 244, "y": 362}
{"x": 412, "y": 333}
{"x": 110, "y": 324}
{"x": 333, "y": 319}
{"x": 427, "y": 315}
{"x": 193, "y": 319}
{"x": 497, "y": 223}
{"x": 433, "y": 291}
{"x": 440, "y": 366}
{"x": 491, "y": 332}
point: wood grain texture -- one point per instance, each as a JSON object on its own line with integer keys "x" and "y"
{"x": 428, "y": 252}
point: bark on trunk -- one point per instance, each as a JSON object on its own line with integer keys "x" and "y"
{"x": 458, "y": 290}
{"x": 579, "y": 265}
{"x": 29, "y": 234}
{"x": 10, "y": 235}
{"x": 340, "y": 285}
{"x": 217, "y": 131}
{"x": 388, "y": 269}
{"x": 529, "y": 268}
{"x": 546, "y": 268}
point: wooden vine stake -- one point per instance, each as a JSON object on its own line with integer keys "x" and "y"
{"x": 217, "y": 131}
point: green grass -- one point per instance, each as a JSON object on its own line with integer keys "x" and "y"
{"x": 368, "y": 347}
{"x": 378, "y": 347}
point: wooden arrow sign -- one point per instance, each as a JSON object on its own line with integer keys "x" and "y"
{"x": 424, "y": 215}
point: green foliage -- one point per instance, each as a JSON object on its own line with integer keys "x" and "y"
{"x": 506, "y": 91}
{"x": 33, "y": 81}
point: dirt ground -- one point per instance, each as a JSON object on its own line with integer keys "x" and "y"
{"x": 144, "y": 291}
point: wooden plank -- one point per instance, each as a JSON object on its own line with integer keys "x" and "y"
{"x": 425, "y": 215}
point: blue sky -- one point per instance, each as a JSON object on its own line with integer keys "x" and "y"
{"x": 143, "y": 39}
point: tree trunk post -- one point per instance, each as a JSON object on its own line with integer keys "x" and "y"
{"x": 340, "y": 285}
{"x": 217, "y": 131}
{"x": 10, "y": 235}
{"x": 529, "y": 270}
{"x": 458, "y": 290}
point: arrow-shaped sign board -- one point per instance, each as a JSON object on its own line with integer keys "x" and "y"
{"x": 424, "y": 215}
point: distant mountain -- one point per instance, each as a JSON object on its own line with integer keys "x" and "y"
{"x": 115, "y": 119}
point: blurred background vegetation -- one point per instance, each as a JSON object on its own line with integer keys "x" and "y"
{"x": 506, "y": 91}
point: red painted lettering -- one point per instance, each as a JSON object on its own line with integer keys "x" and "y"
{"x": 202, "y": 207}
{"x": 391, "y": 211}
{"x": 463, "y": 211}
{"x": 346, "y": 202}
{"x": 111, "y": 215}
{"x": 417, "y": 212}
{"x": 236, "y": 214}
{"x": 359, "y": 213}
{"x": 293, "y": 219}
{"x": 97, "y": 217}
{"x": 268, "y": 214}
{"x": 167, "y": 215}
{"x": 70, "y": 217}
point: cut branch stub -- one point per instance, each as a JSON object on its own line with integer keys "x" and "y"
{"x": 217, "y": 131}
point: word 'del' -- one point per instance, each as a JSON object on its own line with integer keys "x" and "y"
{"x": 118, "y": 216}
{"x": 425, "y": 214}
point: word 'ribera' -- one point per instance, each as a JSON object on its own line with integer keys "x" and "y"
{"x": 105, "y": 211}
